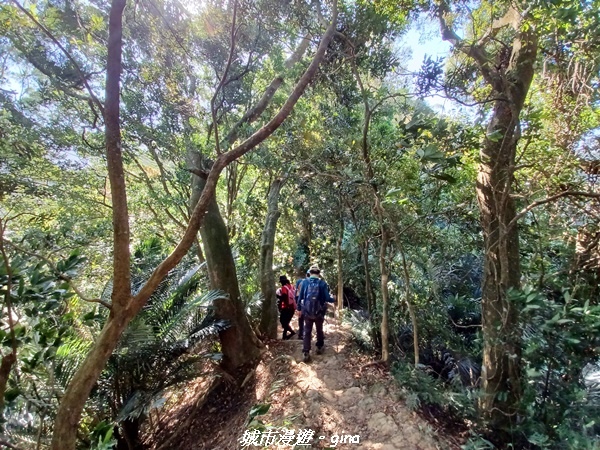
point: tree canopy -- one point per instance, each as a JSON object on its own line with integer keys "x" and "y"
{"x": 161, "y": 163}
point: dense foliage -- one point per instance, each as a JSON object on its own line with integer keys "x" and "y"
{"x": 378, "y": 185}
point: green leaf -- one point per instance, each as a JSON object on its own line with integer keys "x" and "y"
{"x": 259, "y": 410}
{"x": 444, "y": 177}
{"x": 563, "y": 321}
{"x": 430, "y": 153}
{"x": 495, "y": 136}
{"x": 531, "y": 307}
{"x": 11, "y": 394}
{"x": 532, "y": 297}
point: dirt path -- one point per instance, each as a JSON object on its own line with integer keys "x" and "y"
{"x": 345, "y": 407}
{"x": 335, "y": 401}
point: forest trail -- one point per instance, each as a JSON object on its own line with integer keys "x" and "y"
{"x": 339, "y": 399}
{"x": 337, "y": 395}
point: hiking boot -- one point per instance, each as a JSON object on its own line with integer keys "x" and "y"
{"x": 306, "y": 357}
{"x": 319, "y": 350}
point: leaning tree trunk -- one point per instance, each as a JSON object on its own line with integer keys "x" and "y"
{"x": 239, "y": 343}
{"x": 124, "y": 306}
{"x": 268, "y": 316}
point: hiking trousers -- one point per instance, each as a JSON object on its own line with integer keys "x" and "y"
{"x": 301, "y": 325}
{"x": 285, "y": 317}
{"x": 308, "y": 326}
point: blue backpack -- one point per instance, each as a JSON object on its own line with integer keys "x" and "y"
{"x": 311, "y": 306}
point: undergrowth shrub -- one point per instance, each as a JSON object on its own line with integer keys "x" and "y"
{"x": 421, "y": 390}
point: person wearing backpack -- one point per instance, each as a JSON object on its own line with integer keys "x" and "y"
{"x": 286, "y": 304}
{"x": 314, "y": 295}
{"x": 299, "y": 306}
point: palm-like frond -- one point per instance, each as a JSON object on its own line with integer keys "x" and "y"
{"x": 155, "y": 351}
{"x": 253, "y": 307}
{"x": 187, "y": 319}
{"x": 69, "y": 356}
{"x": 209, "y": 329}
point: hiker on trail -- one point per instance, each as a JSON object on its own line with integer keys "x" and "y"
{"x": 286, "y": 304}
{"x": 314, "y": 295}
{"x": 299, "y": 306}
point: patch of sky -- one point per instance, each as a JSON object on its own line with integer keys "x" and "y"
{"x": 421, "y": 41}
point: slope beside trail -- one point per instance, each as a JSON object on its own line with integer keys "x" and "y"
{"x": 337, "y": 396}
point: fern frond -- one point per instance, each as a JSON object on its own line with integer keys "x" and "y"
{"x": 136, "y": 336}
{"x": 254, "y": 306}
{"x": 69, "y": 356}
{"x": 210, "y": 329}
{"x": 187, "y": 319}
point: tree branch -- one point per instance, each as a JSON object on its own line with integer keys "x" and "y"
{"x": 82, "y": 296}
{"x": 550, "y": 199}
{"x": 199, "y": 173}
{"x": 223, "y": 78}
{"x": 120, "y": 214}
{"x": 255, "y": 112}
{"x": 475, "y": 51}
{"x": 223, "y": 160}
{"x": 9, "y": 445}
{"x": 47, "y": 32}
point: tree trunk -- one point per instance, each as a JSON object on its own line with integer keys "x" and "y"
{"x": 268, "y": 318}
{"x": 501, "y": 335}
{"x": 8, "y": 361}
{"x": 340, "y": 277}
{"x": 501, "y": 371}
{"x": 368, "y": 283}
{"x": 509, "y": 76}
{"x": 239, "y": 343}
{"x": 385, "y": 298}
{"x": 411, "y": 309}
{"x": 302, "y": 254}
{"x": 128, "y": 435}
{"x": 124, "y": 306}
{"x": 78, "y": 390}
{"x": 72, "y": 403}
